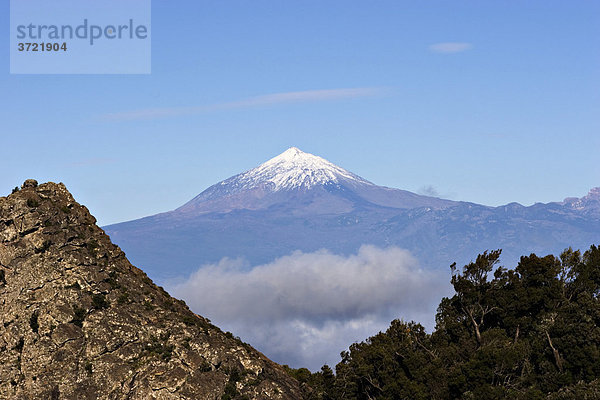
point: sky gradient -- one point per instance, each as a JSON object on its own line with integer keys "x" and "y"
{"x": 490, "y": 102}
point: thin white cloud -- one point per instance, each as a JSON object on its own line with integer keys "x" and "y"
{"x": 450, "y": 47}
{"x": 303, "y": 309}
{"x": 256, "y": 101}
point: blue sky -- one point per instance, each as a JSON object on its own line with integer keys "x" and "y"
{"x": 490, "y": 102}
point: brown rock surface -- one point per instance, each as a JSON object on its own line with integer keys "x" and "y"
{"x": 78, "y": 321}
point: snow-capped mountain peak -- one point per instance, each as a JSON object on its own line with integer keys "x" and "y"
{"x": 294, "y": 169}
{"x": 302, "y": 181}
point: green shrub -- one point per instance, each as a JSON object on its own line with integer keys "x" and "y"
{"x": 230, "y": 388}
{"x": 230, "y": 392}
{"x": 112, "y": 278}
{"x": 160, "y": 348}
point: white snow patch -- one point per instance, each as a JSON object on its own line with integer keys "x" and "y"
{"x": 295, "y": 169}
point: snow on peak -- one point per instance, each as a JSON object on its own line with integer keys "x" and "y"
{"x": 295, "y": 169}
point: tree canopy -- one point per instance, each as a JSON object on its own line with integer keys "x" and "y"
{"x": 532, "y": 332}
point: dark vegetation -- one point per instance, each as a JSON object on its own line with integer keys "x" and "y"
{"x": 32, "y": 203}
{"x": 160, "y": 347}
{"x": 88, "y": 368}
{"x": 231, "y": 392}
{"x": 99, "y": 301}
{"x": 532, "y": 332}
{"x": 33, "y": 322}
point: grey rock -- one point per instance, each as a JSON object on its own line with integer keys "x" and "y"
{"x": 29, "y": 183}
{"x": 78, "y": 321}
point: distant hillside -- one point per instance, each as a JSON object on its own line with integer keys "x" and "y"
{"x": 80, "y": 322}
{"x": 298, "y": 201}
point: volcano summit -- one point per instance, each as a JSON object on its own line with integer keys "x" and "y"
{"x": 299, "y": 201}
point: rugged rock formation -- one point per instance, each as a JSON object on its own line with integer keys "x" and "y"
{"x": 78, "y": 321}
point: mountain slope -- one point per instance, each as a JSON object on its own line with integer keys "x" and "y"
{"x": 80, "y": 322}
{"x": 297, "y": 177}
{"x": 298, "y": 201}
{"x": 588, "y": 205}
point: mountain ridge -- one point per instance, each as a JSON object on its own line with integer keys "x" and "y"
{"x": 250, "y": 217}
{"x": 80, "y": 322}
{"x": 296, "y": 173}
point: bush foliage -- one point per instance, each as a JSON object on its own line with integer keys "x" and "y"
{"x": 532, "y": 332}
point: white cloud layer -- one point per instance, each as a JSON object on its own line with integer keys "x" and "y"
{"x": 450, "y": 47}
{"x": 303, "y": 309}
{"x": 257, "y": 101}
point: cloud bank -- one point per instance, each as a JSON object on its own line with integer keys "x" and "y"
{"x": 256, "y": 101}
{"x": 450, "y": 47}
{"x": 303, "y": 309}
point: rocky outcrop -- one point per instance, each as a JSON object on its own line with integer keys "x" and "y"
{"x": 78, "y": 321}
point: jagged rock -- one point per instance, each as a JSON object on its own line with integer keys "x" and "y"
{"x": 78, "y": 321}
{"x": 29, "y": 183}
